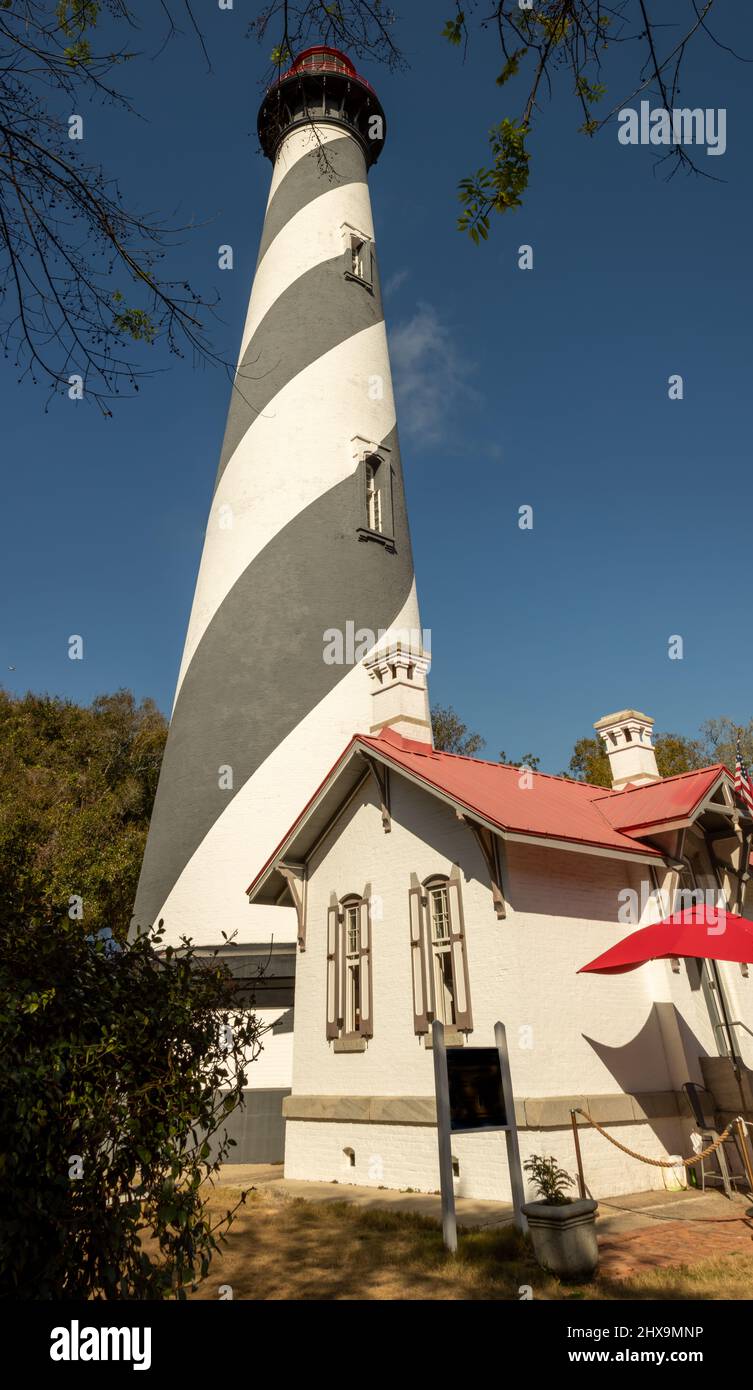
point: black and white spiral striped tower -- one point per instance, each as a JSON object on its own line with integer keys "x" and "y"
{"x": 307, "y": 533}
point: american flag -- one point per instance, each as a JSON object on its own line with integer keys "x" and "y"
{"x": 743, "y": 789}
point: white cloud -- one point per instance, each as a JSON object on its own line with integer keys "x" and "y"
{"x": 395, "y": 281}
{"x": 429, "y": 375}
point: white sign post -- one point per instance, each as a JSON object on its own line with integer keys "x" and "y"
{"x": 483, "y": 1101}
{"x": 517, "y": 1188}
{"x": 442, "y": 1089}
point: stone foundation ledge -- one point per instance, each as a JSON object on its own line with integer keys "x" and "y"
{"x": 538, "y": 1112}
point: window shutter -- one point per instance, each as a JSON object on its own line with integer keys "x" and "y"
{"x": 463, "y": 1016}
{"x": 342, "y": 970}
{"x": 389, "y": 508}
{"x": 364, "y": 954}
{"x": 333, "y": 977}
{"x": 418, "y": 956}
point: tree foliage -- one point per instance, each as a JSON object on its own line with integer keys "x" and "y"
{"x": 118, "y": 1070}
{"x": 451, "y": 735}
{"x": 563, "y": 49}
{"x": 81, "y": 283}
{"x": 567, "y": 45}
{"x": 529, "y": 760}
{"x": 719, "y": 738}
{"x": 675, "y": 753}
{"x": 77, "y": 785}
{"x": 589, "y": 763}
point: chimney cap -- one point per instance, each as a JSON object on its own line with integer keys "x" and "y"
{"x": 622, "y": 715}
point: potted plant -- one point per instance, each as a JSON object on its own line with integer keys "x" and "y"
{"x": 563, "y": 1229}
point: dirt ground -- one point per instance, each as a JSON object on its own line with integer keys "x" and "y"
{"x": 282, "y": 1249}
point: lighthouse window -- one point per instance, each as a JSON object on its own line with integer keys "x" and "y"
{"x": 357, "y": 248}
{"x": 373, "y": 498}
{"x": 374, "y": 481}
{"x": 358, "y": 258}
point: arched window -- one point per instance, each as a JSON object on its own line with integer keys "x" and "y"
{"x": 351, "y": 928}
{"x": 441, "y": 949}
{"x": 440, "y": 964}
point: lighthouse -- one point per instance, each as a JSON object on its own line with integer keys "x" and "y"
{"x": 307, "y": 535}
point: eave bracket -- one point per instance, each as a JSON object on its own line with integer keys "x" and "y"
{"x": 489, "y": 844}
{"x": 296, "y": 878}
{"x": 381, "y": 776}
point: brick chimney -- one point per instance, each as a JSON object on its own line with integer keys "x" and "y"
{"x": 627, "y": 740}
{"x": 399, "y": 696}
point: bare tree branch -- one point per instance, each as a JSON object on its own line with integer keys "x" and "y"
{"x": 80, "y": 281}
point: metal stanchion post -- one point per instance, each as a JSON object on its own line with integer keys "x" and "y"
{"x": 579, "y": 1160}
{"x": 744, "y": 1150}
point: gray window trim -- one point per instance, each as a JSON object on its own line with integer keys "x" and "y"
{"x": 368, "y": 283}
{"x": 385, "y": 475}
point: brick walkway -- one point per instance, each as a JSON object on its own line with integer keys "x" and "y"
{"x": 673, "y": 1243}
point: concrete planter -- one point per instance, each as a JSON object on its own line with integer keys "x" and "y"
{"x": 564, "y": 1237}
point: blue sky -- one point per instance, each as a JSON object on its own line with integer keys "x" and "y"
{"x": 546, "y": 388}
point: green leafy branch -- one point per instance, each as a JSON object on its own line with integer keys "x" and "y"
{"x": 570, "y": 36}
{"x": 499, "y": 187}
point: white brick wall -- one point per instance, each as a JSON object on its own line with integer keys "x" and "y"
{"x": 402, "y": 1156}
{"x": 563, "y": 912}
{"x": 568, "y": 1033}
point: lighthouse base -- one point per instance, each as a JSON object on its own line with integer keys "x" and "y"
{"x": 266, "y": 975}
{"x": 258, "y": 1128}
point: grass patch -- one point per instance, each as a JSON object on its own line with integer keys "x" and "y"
{"x": 334, "y": 1250}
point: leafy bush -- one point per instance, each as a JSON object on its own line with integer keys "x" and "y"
{"x": 112, "y": 1060}
{"x": 549, "y": 1180}
{"x": 77, "y": 783}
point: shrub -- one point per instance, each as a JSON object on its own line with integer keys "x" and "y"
{"x": 118, "y": 1068}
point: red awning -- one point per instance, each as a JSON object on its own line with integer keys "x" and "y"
{"x": 708, "y": 933}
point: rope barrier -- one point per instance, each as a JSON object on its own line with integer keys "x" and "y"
{"x": 660, "y": 1162}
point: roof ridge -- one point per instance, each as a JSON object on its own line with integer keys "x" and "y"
{"x": 490, "y": 762}
{"x": 675, "y": 777}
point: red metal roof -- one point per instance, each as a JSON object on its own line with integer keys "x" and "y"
{"x": 670, "y": 799}
{"x": 554, "y": 808}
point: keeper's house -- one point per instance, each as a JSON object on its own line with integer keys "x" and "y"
{"x": 429, "y": 885}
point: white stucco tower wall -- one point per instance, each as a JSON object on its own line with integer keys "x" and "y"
{"x": 307, "y": 533}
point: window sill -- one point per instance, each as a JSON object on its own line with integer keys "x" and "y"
{"x": 451, "y": 1039}
{"x": 349, "y": 1044}
{"x": 366, "y": 534}
{"x": 359, "y": 280}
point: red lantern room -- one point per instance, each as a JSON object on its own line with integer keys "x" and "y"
{"x": 322, "y": 87}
